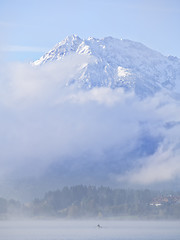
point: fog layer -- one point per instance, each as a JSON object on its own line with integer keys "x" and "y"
{"x": 53, "y": 133}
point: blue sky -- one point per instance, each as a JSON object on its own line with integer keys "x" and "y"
{"x": 30, "y": 28}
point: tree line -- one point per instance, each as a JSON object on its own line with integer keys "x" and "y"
{"x": 96, "y": 202}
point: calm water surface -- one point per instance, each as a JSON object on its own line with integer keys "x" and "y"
{"x": 87, "y": 230}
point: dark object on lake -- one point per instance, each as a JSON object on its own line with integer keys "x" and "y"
{"x": 99, "y": 226}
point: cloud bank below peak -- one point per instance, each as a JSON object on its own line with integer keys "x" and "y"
{"x": 66, "y": 135}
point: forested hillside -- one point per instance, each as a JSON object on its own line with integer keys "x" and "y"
{"x": 92, "y": 202}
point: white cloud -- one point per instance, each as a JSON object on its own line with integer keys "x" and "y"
{"x": 7, "y": 24}
{"x": 43, "y": 122}
{"x": 101, "y": 95}
{"x": 18, "y": 48}
{"x": 163, "y": 166}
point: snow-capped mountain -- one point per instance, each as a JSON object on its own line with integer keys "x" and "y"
{"x": 117, "y": 63}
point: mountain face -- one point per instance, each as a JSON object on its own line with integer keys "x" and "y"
{"x": 90, "y": 132}
{"x": 117, "y": 63}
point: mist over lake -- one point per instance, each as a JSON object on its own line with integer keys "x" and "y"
{"x": 87, "y": 230}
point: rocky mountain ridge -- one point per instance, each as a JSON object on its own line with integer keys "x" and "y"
{"x": 117, "y": 63}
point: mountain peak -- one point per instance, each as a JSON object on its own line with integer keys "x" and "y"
{"x": 72, "y": 38}
{"x": 117, "y": 63}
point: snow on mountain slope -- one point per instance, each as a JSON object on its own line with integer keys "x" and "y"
{"x": 117, "y": 63}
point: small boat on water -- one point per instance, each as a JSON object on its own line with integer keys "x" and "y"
{"x": 99, "y": 226}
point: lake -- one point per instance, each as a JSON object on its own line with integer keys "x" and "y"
{"x": 88, "y": 230}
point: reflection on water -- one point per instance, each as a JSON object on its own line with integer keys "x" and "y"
{"x": 88, "y": 230}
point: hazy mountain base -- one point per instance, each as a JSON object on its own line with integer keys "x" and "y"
{"x": 59, "y": 128}
{"x": 81, "y": 202}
